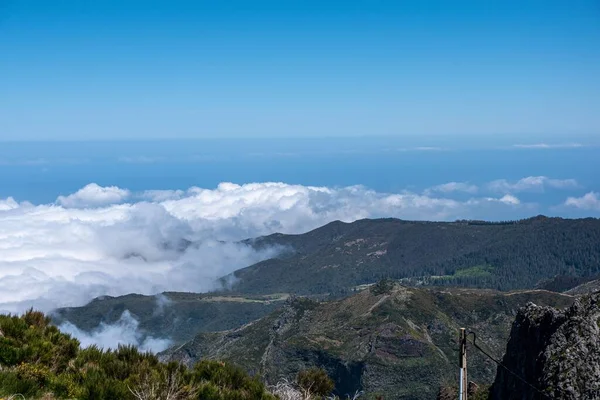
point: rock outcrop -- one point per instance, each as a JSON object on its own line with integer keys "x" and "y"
{"x": 557, "y": 352}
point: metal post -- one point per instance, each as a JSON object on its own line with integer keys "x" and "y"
{"x": 462, "y": 384}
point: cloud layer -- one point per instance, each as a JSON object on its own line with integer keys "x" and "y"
{"x": 111, "y": 241}
{"x": 531, "y": 184}
{"x": 90, "y": 243}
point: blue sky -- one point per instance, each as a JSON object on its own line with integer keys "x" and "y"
{"x": 191, "y": 69}
{"x": 434, "y": 110}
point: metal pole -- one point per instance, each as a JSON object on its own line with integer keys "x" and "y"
{"x": 462, "y": 384}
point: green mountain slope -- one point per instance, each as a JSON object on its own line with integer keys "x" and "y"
{"x": 391, "y": 340}
{"x": 177, "y": 316}
{"x": 505, "y": 256}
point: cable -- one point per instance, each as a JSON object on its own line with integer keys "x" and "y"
{"x": 506, "y": 368}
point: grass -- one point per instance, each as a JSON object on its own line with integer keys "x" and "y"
{"x": 477, "y": 271}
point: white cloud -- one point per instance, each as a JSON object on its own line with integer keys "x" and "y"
{"x": 451, "y": 187}
{"x": 589, "y": 201}
{"x": 123, "y": 332}
{"x": 544, "y": 146}
{"x": 94, "y": 195}
{"x": 8, "y": 204}
{"x": 509, "y": 199}
{"x": 53, "y": 255}
{"x": 531, "y": 184}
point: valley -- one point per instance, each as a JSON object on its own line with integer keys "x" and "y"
{"x": 377, "y": 303}
{"x": 389, "y": 340}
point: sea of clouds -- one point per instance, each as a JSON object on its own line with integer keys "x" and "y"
{"x": 111, "y": 241}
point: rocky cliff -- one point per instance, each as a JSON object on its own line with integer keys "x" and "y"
{"x": 557, "y": 352}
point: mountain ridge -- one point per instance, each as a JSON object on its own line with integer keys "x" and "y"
{"x": 388, "y": 340}
{"x": 500, "y": 255}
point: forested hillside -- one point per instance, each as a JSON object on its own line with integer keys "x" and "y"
{"x": 177, "y": 316}
{"x": 505, "y": 256}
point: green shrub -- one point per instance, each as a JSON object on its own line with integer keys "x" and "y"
{"x": 38, "y": 373}
{"x": 315, "y": 381}
{"x": 36, "y": 358}
{"x": 9, "y": 354}
{"x": 65, "y": 386}
{"x": 384, "y": 286}
{"x": 236, "y": 383}
{"x": 11, "y": 383}
{"x": 209, "y": 391}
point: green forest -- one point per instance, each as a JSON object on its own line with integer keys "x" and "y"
{"x": 536, "y": 252}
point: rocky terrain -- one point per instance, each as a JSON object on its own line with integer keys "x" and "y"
{"x": 389, "y": 340}
{"x": 556, "y": 352}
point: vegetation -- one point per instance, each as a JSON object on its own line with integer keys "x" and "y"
{"x": 37, "y": 360}
{"x": 388, "y": 340}
{"x": 476, "y": 271}
{"x": 316, "y": 381}
{"x": 384, "y": 286}
{"x": 513, "y": 255}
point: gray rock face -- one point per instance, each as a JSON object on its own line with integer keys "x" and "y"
{"x": 556, "y": 351}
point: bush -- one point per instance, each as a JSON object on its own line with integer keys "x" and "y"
{"x": 238, "y": 385}
{"x": 11, "y": 383}
{"x": 36, "y": 358}
{"x": 315, "y": 381}
{"x": 65, "y": 386}
{"x": 384, "y": 286}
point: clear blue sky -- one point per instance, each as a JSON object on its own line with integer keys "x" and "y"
{"x": 154, "y": 69}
